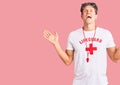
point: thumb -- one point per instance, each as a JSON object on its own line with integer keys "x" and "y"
{"x": 56, "y": 34}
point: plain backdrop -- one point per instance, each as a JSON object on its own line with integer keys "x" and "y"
{"x": 26, "y": 58}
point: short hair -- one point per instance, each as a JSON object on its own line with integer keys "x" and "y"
{"x": 89, "y": 4}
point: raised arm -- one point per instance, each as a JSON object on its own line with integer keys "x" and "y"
{"x": 66, "y": 56}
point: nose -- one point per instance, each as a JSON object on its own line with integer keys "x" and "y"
{"x": 88, "y": 11}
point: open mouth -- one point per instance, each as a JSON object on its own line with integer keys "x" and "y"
{"x": 89, "y": 17}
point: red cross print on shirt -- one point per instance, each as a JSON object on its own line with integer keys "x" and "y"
{"x": 91, "y": 49}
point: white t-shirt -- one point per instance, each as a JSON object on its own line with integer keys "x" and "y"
{"x": 94, "y": 71}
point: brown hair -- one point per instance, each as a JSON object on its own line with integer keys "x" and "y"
{"x": 90, "y": 4}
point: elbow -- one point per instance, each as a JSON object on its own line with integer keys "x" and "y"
{"x": 116, "y": 60}
{"x": 67, "y": 63}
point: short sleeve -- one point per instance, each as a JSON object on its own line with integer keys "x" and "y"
{"x": 69, "y": 43}
{"x": 110, "y": 40}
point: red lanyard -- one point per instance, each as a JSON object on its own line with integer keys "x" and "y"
{"x": 87, "y": 59}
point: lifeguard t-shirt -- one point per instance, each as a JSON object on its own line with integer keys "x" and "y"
{"x": 95, "y": 43}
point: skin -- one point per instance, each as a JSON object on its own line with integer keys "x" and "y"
{"x": 88, "y": 25}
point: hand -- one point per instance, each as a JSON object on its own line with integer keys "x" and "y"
{"x": 53, "y": 38}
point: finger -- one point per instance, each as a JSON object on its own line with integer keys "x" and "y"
{"x": 46, "y": 37}
{"x": 56, "y": 34}
{"x": 47, "y": 32}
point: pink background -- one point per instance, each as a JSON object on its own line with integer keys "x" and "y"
{"x": 26, "y": 58}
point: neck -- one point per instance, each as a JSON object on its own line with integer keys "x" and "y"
{"x": 89, "y": 27}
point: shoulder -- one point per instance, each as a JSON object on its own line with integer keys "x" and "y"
{"x": 103, "y": 30}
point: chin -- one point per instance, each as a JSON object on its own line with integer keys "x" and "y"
{"x": 88, "y": 22}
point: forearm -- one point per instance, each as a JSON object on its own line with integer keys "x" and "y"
{"x": 63, "y": 55}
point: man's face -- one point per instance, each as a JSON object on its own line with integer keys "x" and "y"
{"x": 89, "y": 16}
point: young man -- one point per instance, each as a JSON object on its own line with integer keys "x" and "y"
{"x": 88, "y": 47}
